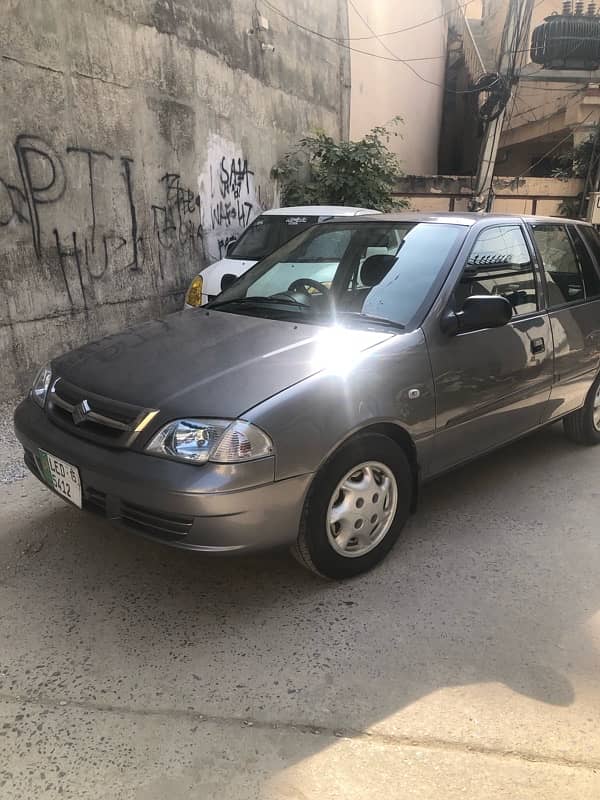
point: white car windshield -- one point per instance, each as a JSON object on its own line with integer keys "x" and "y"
{"x": 363, "y": 272}
{"x": 268, "y": 232}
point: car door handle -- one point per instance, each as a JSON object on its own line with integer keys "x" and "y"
{"x": 538, "y": 346}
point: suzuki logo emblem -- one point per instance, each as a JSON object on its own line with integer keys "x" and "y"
{"x": 80, "y": 412}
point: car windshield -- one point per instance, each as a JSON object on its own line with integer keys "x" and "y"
{"x": 268, "y": 232}
{"x": 373, "y": 273}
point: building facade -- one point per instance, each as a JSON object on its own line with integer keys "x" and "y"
{"x": 548, "y": 117}
{"x": 551, "y": 110}
{"x": 383, "y": 87}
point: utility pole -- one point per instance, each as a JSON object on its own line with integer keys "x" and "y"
{"x": 515, "y": 38}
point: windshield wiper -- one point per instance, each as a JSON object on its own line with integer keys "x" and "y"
{"x": 373, "y": 319}
{"x": 259, "y": 301}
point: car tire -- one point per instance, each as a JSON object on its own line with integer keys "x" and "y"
{"x": 583, "y": 426}
{"x": 368, "y": 483}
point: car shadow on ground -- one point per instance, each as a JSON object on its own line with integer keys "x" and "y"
{"x": 492, "y": 582}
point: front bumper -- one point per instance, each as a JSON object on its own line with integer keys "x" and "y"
{"x": 213, "y": 508}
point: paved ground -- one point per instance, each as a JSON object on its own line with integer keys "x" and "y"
{"x": 468, "y": 665}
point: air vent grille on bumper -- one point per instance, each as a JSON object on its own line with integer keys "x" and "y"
{"x": 146, "y": 520}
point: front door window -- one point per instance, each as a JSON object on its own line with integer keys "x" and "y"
{"x": 500, "y": 264}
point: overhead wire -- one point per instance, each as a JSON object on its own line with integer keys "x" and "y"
{"x": 511, "y": 114}
{"x": 342, "y": 42}
{"x": 575, "y": 87}
{"x": 383, "y": 44}
{"x": 531, "y": 109}
{"x": 410, "y": 27}
{"x": 523, "y": 25}
{"x": 521, "y": 11}
{"x": 391, "y": 57}
{"x": 554, "y": 148}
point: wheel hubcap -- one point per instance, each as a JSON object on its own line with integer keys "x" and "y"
{"x": 597, "y": 410}
{"x": 362, "y": 509}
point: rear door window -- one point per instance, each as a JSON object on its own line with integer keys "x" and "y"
{"x": 564, "y": 276}
{"x": 589, "y": 270}
{"x": 500, "y": 264}
{"x": 592, "y": 239}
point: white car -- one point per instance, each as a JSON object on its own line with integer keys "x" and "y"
{"x": 267, "y": 232}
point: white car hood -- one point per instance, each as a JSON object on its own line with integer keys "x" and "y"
{"x": 213, "y": 274}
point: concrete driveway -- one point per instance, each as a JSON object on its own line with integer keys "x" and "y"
{"x": 467, "y": 665}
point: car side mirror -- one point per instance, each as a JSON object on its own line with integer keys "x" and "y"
{"x": 228, "y": 280}
{"x": 478, "y": 312}
{"x": 230, "y": 248}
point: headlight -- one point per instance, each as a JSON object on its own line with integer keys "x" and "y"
{"x": 40, "y": 386}
{"x": 221, "y": 440}
{"x": 193, "y": 295}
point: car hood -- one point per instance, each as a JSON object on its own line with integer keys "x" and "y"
{"x": 213, "y": 274}
{"x": 209, "y": 363}
{"x": 233, "y": 264}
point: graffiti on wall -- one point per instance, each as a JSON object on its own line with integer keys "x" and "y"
{"x": 177, "y": 221}
{"x": 231, "y": 197}
{"x": 84, "y": 211}
{"x": 81, "y": 207}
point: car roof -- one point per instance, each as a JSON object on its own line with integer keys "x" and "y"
{"x": 321, "y": 211}
{"x": 465, "y": 218}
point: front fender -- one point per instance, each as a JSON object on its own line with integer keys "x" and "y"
{"x": 310, "y": 420}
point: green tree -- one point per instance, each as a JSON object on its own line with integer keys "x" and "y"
{"x": 576, "y": 163}
{"x": 323, "y": 171}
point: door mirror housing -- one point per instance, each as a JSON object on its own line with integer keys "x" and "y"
{"x": 478, "y": 312}
{"x": 228, "y": 280}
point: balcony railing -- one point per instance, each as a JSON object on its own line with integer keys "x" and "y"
{"x": 458, "y": 22}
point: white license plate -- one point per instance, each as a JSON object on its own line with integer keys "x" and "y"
{"x": 61, "y": 476}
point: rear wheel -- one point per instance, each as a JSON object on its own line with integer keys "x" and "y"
{"x": 358, "y": 504}
{"x": 583, "y": 426}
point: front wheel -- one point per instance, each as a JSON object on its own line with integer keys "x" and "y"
{"x": 583, "y": 426}
{"x": 358, "y": 504}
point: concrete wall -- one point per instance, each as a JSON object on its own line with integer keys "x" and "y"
{"x": 137, "y": 138}
{"x": 383, "y": 89}
{"x": 541, "y": 196}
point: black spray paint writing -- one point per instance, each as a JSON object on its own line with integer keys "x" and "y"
{"x": 233, "y": 206}
{"x": 224, "y": 243}
{"x": 41, "y": 185}
{"x": 122, "y": 242}
{"x": 178, "y": 221}
{"x": 13, "y": 205}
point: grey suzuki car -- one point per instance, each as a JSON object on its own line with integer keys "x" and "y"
{"x": 304, "y": 406}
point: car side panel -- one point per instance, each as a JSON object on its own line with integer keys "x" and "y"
{"x": 576, "y": 334}
{"x": 310, "y": 420}
{"x": 490, "y": 386}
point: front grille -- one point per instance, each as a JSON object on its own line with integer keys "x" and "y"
{"x": 91, "y": 416}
